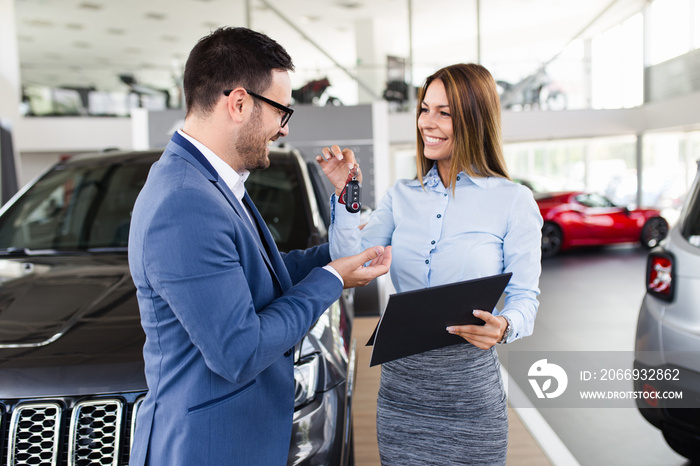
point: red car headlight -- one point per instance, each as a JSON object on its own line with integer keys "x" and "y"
{"x": 660, "y": 275}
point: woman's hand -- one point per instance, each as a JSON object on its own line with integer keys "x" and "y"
{"x": 482, "y": 336}
{"x": 336, "y": 165}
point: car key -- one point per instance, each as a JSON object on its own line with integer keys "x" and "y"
{"x": 352, "y": 196}
{"x": 351, "y": 193}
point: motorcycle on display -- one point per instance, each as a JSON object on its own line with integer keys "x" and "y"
{"x": 536, "y": 91}
{"x": 314, "y": 93}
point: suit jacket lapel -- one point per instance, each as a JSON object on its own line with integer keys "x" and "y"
{"x": 184, "y": 148}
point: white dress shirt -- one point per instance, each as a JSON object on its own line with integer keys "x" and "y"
{"x": 235, "y": 181}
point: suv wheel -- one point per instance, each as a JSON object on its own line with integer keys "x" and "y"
{"x": 683, "y": 446}
{"x": 653, "y": 231}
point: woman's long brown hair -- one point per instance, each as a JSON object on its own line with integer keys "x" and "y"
{"x": 476, "y": 122}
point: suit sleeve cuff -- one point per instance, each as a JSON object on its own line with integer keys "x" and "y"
{"x": 335, "y": 272}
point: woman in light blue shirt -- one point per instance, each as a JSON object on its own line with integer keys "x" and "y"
{"x": 462, "y": 218}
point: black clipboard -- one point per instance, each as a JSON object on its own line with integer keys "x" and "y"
{"x": 415, "y": 321}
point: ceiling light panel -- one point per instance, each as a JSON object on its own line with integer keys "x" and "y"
{"x": 155, "y": 16}
{"x": 91, "y": 6}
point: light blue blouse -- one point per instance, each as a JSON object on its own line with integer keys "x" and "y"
{"x": 490, "y": 226}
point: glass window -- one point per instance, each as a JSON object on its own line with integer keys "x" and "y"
{"x": 617, "y": 66}
{"x": 593, "y": 200}
{"x": 603, "y": 165}
{"x": 695, "y": 23}
{"x": 669, "y": 29}
{"x": 669, "y": 169}
{"x": 75, "y": 208}
{"x": 569, "y": 88}
{"x": 612, "y": 168}
{"x": 549, "y": 165}
{"x": 691, "y": 225}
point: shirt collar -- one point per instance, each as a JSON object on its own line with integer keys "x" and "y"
{"x": 233, "y": 179}
{"x": 432, "y": 180}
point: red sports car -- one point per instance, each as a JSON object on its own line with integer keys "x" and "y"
{"x": 578, "y": 218}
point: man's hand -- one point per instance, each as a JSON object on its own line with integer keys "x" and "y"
{"x": 482, "y": 336}
{"x": 354, "y": 272}
{"x": 336, "y": 165}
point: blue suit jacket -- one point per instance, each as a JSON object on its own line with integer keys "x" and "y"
{"x": 220, "y": 315}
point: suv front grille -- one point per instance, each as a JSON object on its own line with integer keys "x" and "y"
{"x": 34, "y": 434}
{"x": 93, "y": 432}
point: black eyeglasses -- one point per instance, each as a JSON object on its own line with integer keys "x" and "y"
{"x": 287, "y": 111}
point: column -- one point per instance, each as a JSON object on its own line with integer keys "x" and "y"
{"x": 10, "y": 96}
{"x": 587, "y": 73}
{"x": 371, "y": 60}
{"x": 10, "y": 87}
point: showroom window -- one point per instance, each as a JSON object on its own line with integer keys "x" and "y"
{"x": 612, "y": 168}
{"x": 608, "y": 166}
{"x": 617, "y": 63}
{"x": 603, "y": 165}
{"x": 695, "y": 22}
{"x": 670, "y": 166}
{"x": 672, "y": 27}
{"x": 548, "y": 166}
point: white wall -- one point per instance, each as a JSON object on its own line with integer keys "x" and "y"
{"x": 66, "y": 134}
{"x": 41, "y": 140}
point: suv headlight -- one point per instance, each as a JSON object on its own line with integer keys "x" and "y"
{"x": 305, "y": 380}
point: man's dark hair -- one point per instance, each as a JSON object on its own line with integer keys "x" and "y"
{"x": 229, "y": 58}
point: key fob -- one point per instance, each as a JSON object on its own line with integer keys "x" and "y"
{"x": 352, "y": 197}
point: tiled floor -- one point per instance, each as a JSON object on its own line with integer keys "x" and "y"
{"x": 522, "y": 448}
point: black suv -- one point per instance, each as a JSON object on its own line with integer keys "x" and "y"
{"x": 71, "y": 363}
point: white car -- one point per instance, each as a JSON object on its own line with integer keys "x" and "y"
{"x": 667, "y": 353}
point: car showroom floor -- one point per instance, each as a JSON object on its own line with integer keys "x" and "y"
{"x": 589, "y": 302}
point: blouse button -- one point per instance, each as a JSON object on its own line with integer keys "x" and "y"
{"x": 432, "y": 242}
{"x": 458, "y": 178}
{"x": 427, "y": 261}
{"x": 438, "y": 215}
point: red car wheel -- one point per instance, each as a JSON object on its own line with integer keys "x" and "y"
{"x": 551, "y": 239}
{"x": 654, "y": 230}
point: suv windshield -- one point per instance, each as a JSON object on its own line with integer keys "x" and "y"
{"x": 87, "y": 206}
{"x": 691, "y": 225}
{"x": 75, "y": 208}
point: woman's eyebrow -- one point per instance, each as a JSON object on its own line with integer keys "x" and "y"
{"x": 438, "y": 106}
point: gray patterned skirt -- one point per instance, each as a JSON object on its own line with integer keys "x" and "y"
{"x": 443, "y": 407}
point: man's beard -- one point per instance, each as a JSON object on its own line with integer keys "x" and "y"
{"x": 252, "y": 143}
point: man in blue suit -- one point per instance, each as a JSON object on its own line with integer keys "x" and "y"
{"x": 221, "y": 307}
